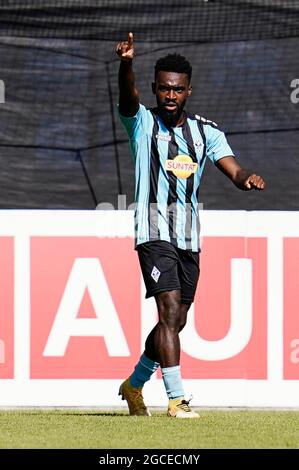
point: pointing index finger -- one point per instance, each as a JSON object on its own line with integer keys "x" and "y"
{"x": 130, "y": 39}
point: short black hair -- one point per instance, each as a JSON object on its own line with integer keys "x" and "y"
{"x": 173, "y": 63}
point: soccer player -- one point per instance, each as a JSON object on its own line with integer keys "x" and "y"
{"x": 169, "y": 147}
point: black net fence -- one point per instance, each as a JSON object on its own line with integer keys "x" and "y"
{"x": 61, "y": 143}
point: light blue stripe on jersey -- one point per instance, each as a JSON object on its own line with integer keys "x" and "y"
{"x": 195, "y": 215}
{"x": 163, "y": 184}
{"x": 199, "y": 149}
{"x": 142, "y": 171}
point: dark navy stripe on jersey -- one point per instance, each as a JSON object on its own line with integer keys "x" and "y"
{"x": 200, "y": 127}
{"x": 172, "y": 192}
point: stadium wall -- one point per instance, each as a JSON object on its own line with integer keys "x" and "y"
{"x": 73, "y": 317}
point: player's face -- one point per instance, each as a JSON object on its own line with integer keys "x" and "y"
{"x": 172, "y": 90}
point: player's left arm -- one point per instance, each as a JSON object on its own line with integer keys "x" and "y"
{"x": 242, "y": 178}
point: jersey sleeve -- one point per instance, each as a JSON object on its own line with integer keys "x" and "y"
{"x": 217, "y": 145}
{"x": 134, "y": 124}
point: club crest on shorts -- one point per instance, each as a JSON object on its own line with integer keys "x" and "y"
{"x": 155, "y": 274}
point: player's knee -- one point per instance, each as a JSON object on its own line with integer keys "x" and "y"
{"x": 169, "y": 315}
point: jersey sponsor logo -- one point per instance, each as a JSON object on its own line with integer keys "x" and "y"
{"x": 164, "y": 137}
{"x": 182, "y": 166}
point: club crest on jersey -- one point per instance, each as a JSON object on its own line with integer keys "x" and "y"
{"x": 198, "y": 144}
{"x": 182, "y": 166}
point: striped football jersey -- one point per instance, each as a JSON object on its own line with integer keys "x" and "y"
{"x": 169, "y": 162}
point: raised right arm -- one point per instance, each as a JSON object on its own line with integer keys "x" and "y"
{"x": 128, "y": 93}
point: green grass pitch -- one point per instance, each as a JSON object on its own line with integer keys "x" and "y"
{"x": 87, "y": 429}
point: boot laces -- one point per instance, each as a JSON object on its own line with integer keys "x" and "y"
{"x": 184, "y": 405}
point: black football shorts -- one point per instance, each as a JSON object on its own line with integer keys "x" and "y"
{"x": 166, "y": 267}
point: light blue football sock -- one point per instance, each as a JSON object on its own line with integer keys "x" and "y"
{"x": 173, "y": 381}
{"x": 143, "y": 371}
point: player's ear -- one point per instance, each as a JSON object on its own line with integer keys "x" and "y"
{"x": 189, "y": 90}
{"x": 154, "y": 88}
